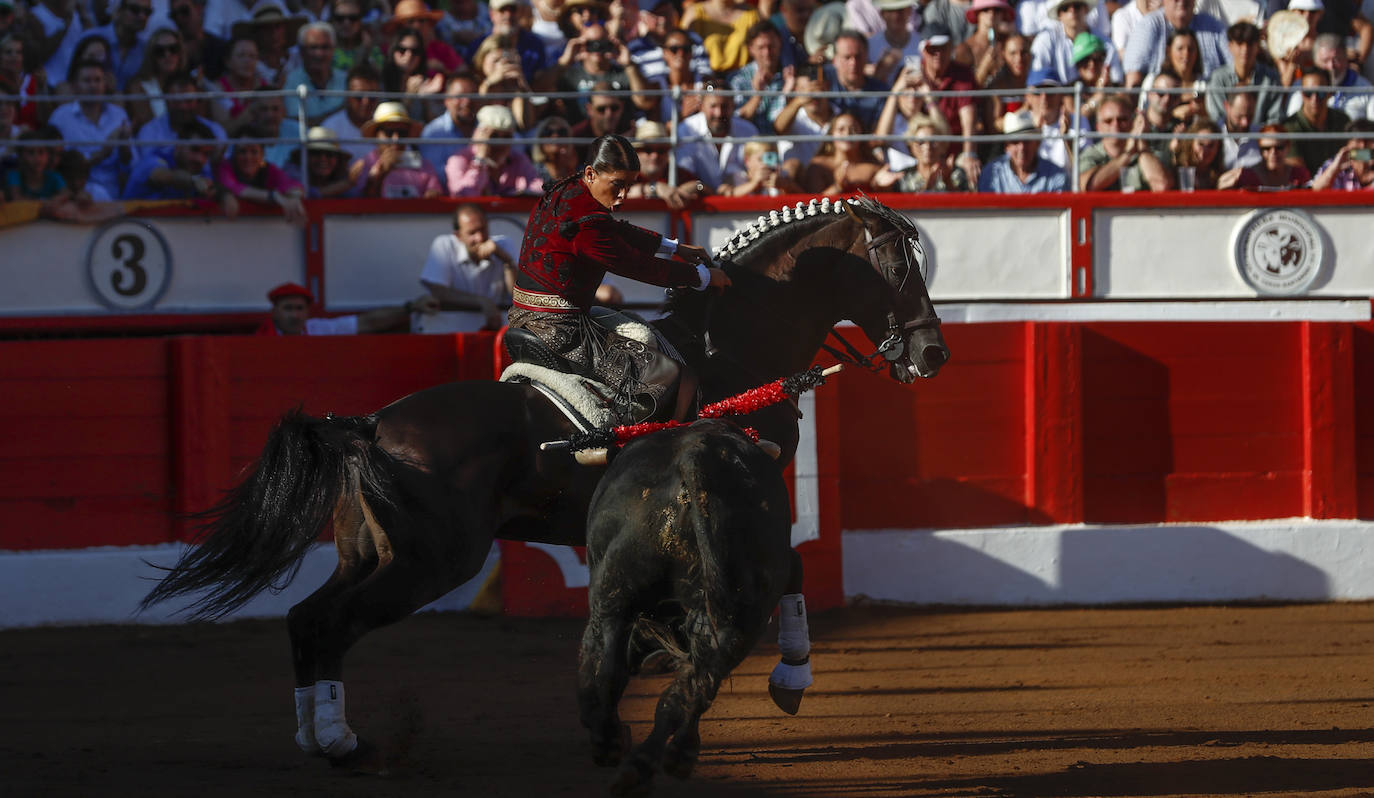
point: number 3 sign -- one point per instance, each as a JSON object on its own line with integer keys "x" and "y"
{"x": 129, "y": 265}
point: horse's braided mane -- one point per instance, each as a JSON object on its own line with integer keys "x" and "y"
{"x": 758, "y": 235}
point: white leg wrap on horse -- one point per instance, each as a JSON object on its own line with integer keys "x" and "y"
{"x": 305, "y": 720}
{"x": 331, "y": 730}
{"x": 791, "y": 677}
{"x": 794, "y": 644}
{"x": 794, "y": 639}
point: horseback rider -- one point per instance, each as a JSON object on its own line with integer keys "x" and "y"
{"x": 571, "y": 241}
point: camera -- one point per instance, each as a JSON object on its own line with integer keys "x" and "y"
{"x": 770, "y": 159}
{"x": 600, "y": 46}
{"x": 1361, "y": 154}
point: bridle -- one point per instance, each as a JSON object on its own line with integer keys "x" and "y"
{"x": 893, "y": 345}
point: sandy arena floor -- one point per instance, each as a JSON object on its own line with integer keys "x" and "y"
{"x": 1227, "y": 701}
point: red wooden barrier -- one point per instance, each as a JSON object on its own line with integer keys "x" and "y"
{"x": 1030, "y": 423}
{"x": 112, "y": 441}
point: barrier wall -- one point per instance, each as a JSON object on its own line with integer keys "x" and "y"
{"x": 1039, "y": 446}
{"x": 171, "y": 268}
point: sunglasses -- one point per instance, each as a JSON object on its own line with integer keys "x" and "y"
{"x": 347, "y": 18}
{"x": 393, "y": 132}
{"x": 1095, "y": 59}
{"x": 608, "y": 108}
{"x": 1310, "y": 94}
{"x": 1273, "y": 147}
{"x": 675, "y": 48}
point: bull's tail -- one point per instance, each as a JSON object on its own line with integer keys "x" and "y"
{"x": 254, "y": 539}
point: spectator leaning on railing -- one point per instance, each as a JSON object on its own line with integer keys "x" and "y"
{"x": 1021, "y": 170}
{"x": 1119, "y": 163}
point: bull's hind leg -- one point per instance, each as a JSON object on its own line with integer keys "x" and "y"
{"x": 674, "y": 743}
{"x": 604, "y": 672}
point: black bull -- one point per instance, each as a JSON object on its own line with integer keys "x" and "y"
{"x": 696, "y": 519}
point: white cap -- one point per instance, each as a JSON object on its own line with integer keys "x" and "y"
{"x": 1306, "y": 5}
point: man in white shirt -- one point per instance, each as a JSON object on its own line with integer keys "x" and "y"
{"x": 104, "y": 126}
{"x": 711, "y": 161}
{"x": 469, "y": 269}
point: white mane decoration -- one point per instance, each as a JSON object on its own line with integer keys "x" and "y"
{"x": 751, "y": 232}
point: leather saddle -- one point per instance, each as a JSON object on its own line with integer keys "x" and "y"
{"x": 657, "y": 384}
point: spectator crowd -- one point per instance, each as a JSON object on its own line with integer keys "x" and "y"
{"x": 201, "y": 100}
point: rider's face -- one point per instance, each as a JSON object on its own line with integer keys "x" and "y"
{"x": 608, "y": 188}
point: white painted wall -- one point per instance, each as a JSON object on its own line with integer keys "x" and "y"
{"x": 217, "y": 265}
{"x": 1187, "y": 253}
{"x": 1282, "y": 560}
{"x": 104, "y": 585}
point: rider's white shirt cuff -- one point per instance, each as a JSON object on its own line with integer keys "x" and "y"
{"x": 704, "y": 275}
{"x": 667, "y": 246}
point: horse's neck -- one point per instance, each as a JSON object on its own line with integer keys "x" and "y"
{"x": 766, "y": 328}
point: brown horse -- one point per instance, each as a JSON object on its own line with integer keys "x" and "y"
{"x": 418, "y": 490}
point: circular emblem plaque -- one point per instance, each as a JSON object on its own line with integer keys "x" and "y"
{"x": 129, "y": 265}
{"x": 1279, "y": 252}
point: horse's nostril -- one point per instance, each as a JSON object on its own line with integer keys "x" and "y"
{"x": 935, "y": 356}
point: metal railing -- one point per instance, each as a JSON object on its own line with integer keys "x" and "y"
{"x": 1074, "y": 137}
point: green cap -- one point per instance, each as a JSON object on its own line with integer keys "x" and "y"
{"x": 1084, "y": 45}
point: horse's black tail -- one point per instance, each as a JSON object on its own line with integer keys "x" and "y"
{"x": 255, "y": 537}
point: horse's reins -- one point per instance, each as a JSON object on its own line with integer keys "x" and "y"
{"x": 894, "y": 345}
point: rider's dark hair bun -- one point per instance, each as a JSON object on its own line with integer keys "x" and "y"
{"x": 612, "y": 153}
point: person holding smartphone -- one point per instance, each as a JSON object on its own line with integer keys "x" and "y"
{"x": 762, "y": 176}
{"x": 1352, "y": 168}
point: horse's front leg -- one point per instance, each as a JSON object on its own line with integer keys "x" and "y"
{"x": 792, "y": 675}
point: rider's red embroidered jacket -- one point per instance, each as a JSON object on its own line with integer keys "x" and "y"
{"x": 571, "y": 241}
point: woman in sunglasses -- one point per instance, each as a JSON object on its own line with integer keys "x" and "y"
{"x": 164, "y": 56}
{"x": 404, "y": 72}
{"x": 1275, "y": 171}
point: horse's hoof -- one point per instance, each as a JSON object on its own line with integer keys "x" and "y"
{"x": 788, "y": 701}
{"x": 679, "y": 763}
{"x": 366, "y": 759}
{"x": 634, "y": 779}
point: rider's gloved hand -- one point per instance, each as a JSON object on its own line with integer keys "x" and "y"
{"x": 719, "y": 279}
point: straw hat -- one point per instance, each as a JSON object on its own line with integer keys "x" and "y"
{"x": 1018, "y": 122}
{"x": 408, "y": 11}
{"x": 391, "y": 113}
{"x": 648, "y": 129}
{"x": 1052, "y": 7}
{"x": 823, "y": 28}
{"x": 265, "y": 13}
{"x": 322, "y": 139}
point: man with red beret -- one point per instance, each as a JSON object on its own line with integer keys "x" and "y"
{"x": 291, "y": 315}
